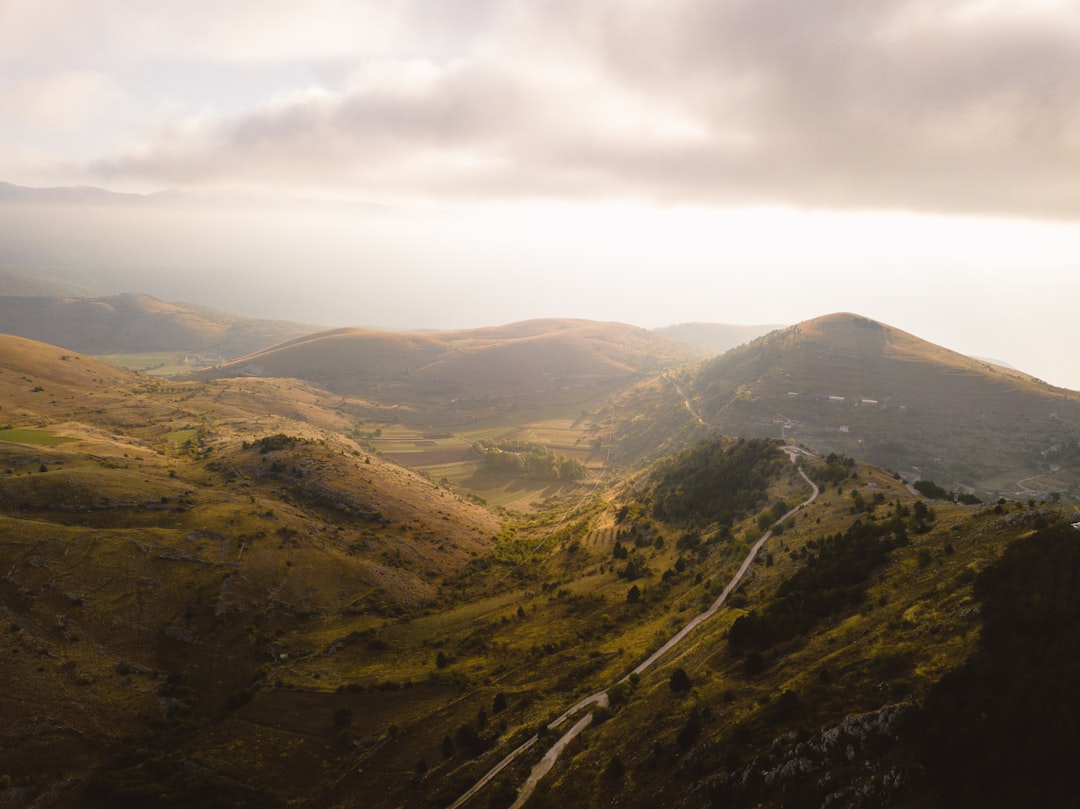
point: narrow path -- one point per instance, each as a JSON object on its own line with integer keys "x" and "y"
{"x": 686, "y": 400}
{"x": 601, "y": 697}
{"x": 549, "y": 759}
{"x": 498, "y": 768}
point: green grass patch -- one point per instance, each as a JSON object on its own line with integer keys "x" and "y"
{"x": 155, "y": 363}
{"x": 179, "y": 437}
{"x": 44, "y": 438}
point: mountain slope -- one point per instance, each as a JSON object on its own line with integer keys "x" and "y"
{"x": 212, "y": 597}
{"x": 133, "y": 323}
{"x": 171, "y": 549}
{"x": 850, "y": 384}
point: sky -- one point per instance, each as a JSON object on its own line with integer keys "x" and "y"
{"x": 457, "y": 163}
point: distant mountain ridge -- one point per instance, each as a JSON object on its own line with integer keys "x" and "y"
{"x": 26, "y": 286}
{"x": 715, "y": 338}
{"x": 132, "y": 322}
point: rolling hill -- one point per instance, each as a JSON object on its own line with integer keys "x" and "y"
{"x": 530, "y": 363}
{"x": 135, "y": 323}
{"x": 849, "y": 384}
{"x": 168, "y": 546}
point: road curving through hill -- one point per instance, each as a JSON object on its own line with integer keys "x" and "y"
{"x": 544, "y": 766}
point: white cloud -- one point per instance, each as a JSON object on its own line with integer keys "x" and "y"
{"x": 957, "y": 106}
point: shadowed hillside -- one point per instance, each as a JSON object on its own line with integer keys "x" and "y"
{"x": 850, "y": 384}
{"x": 535, "y": 362}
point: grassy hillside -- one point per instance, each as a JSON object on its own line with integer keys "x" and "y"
{"x": 831, "y": 709}
{"x": 846, "y": 383}
{"x": 171, "y": 550}
{"x": 224, "y": 592}
{"x": 136, "y": 324}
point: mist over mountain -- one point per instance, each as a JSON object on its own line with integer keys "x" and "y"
{"x": 131, "y": 323}
{"x": 339, "y": 262}
{"x": 714, "y": 338}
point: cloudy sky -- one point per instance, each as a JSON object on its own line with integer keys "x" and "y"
{"x": 444, "y": 163}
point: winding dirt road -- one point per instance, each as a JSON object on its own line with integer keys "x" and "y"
{"x": 601, "y": 697}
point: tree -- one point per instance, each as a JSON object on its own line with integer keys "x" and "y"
{"x": 441, "y": 660}
{"x": 690, "y": 731}
{"x": 499, "y": 705}
{"x": 680, "y": 681}
{"x": 615, "y": 769}
{"x": 470, "y": 741}
{"x": 633, "y": 595}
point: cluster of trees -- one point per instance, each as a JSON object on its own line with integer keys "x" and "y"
{"x": 836, "y": 469}
{"x": 833, "y": 578}
{"x": 715, "y": 481}
{"x": 1003, "y": 729}
{"x": 528, "y": 460}
{"x": 275, "y": 442}
{"x": 927, "y": 488}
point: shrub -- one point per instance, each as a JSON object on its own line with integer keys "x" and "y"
{"x": 680, "y": 681}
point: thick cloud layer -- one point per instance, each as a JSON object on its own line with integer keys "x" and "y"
{"x": 944, "y": 106}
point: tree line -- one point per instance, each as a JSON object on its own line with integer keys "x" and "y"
{"x": 528, "y": 460}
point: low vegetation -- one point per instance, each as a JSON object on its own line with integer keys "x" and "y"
{"x": 716, "y": 481}
{"x": 236, "y": 591}
{"x": 528, "y": 460}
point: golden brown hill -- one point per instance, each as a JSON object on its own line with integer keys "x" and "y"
{"x": 132, "y": 323}
{"x": 38, "y": 379}
{"x": 850, "y": 384}
{"x": 561, "y": 361}
{"x": 171, "y": 547}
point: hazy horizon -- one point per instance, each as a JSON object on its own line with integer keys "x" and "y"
{"x": 482, "y": 162}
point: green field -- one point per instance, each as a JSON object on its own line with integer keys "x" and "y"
{"x": 43, "y": 438}
{"x": 154, "y": 363}
{"x": 449, "y": 457}
{"x": 179, "y": 437}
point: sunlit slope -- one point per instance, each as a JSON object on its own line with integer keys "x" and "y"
{"x": 569, "y": 358}
{"x": 163, "y": 561}
{"x": 133, "y": 323}
{"x": 847, "y": 383}
{"x": 34, "y": 373}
